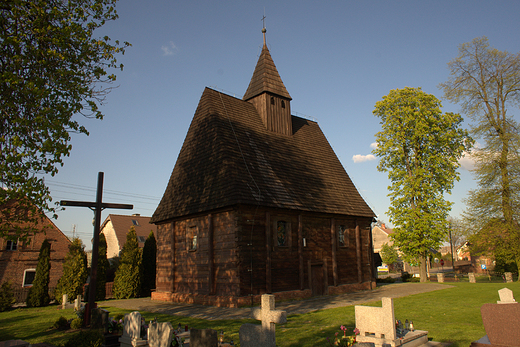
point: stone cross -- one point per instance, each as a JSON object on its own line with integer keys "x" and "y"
{"x": 252, "y": 335}
{"x": 268, "y": 315}
{"x": 506, "y": 296}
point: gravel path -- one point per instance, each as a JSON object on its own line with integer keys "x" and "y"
{"x": 395, "y": 290}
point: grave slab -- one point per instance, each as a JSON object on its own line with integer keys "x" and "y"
{"x": 132, "y": 331}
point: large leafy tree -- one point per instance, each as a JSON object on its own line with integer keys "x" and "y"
{"x": 419, "y": 147}
{"x": 39, "y": 292}
{"x": 74, "y": 274}
{"x": 52, "y": 67}
{"x": 486, "y": 83}
{"x": 127, "y": 283}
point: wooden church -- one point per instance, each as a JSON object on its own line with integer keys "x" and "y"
{"x": 259, "y": 203}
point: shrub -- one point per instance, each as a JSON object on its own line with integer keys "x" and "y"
{"x": 386, "y": 280}
{"x": 101, "y": 278}
{"x": 39, "y": 293}
{"x": 74, "y": 272}
{"x": 87, "y": 338}
{"x": 76, "y": 323}
{"x": 61, "y": 323}
{"x": 127, "y": 283}
{"x": 6, "y": 296}
{"x": 149, "y": 265}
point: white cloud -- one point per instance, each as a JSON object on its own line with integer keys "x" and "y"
{"x": 373, "y": 145}
{"x": 169, "y": 49}
{"x": 467, "y": 162}
{"x": 358, "y": 158}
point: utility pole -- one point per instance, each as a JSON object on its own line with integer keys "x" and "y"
{"x": 97, "y": 207}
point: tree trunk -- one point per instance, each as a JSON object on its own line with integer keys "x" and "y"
{"x": 422, "y": 268}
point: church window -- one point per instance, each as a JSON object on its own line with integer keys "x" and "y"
{"x": 342, "y": 236}
{"x": 141, "y": 239}
{"x": 283, "y": 104}
{"x": 135, "y": 222}
{"x": 281, "y": 233}
{"x": 272, "y": 100}
{"x": 28, "y": 277}
{"x": 11, "y": 245}
{"x": 191, "y": 238}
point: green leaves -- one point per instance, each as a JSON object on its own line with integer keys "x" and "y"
{"x": 419, "y": 147}
{"x": 51, "y": 68}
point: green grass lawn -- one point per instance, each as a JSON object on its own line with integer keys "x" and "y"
{"x": 450, "y": 315}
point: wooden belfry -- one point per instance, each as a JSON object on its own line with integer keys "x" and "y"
{"x": 97, "y": 207}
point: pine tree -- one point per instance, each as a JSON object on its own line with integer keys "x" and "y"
{"x": 103, "y": 265}
{"x": 39, "y": 292}
{"x": 74, "y": 272}
{"x": 127, "y": 283}
{"x": 149, "y": 263}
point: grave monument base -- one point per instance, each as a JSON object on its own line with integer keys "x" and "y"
{"x": 411, "y": 339}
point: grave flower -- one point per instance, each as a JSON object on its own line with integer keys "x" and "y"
{"x": 344, "y": 341}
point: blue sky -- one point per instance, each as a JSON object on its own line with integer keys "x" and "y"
{"x": 336, "y": 59}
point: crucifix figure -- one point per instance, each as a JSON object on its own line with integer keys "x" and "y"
{"x": 97, "y": 207}
{"x": 269, "y": 317}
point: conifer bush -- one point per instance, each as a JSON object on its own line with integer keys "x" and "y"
{"x": 149, "y": 265}
{"x": 39, "y": 292}
{"x": 6, "y": 296}
{"x": 101, "y": 278}
{"x": 74, "y": 272}
{"x": 127, "y": 283}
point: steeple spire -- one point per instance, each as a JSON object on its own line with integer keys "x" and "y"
{"x": 267, "y": 92}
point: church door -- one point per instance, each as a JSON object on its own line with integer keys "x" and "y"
{"x": 317, "y": 280}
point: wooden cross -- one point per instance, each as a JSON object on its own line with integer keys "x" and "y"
{"x": 269, "y": 317}
{"x": 97, "y": 207}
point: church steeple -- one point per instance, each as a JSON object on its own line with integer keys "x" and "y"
{"x": 267, "y": 92}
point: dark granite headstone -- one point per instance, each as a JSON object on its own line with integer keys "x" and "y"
{"x": 502, "y": 323}
{"x": 203, "y": 338}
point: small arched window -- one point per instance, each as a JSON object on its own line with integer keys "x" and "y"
{"x": 283, "y": 104}
{"x": 272, "y": 100}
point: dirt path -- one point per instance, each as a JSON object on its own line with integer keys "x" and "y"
{"x": 396, "y": 290}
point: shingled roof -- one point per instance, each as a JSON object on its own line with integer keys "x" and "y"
{"x": 266, "y": 78}
{"x": 230, "y": 158}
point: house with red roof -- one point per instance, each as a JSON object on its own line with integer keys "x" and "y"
{"x": 115, "y": 227}
{"x": 258, "y": 202}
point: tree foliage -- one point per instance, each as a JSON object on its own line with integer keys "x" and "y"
{"x": 7, "y": 299}
{"x": 149, "y": 265}
{"x": 39, "y": 292}
{"x": 101, "y": 277}
{"x": 127, "y": 283}
{"x": 389, "y": 254}
{"x": 75, "y": 273}
{"x": 486, "y": 83}
{"x": 419, "y": 147}
{"x": 52, "y": 68}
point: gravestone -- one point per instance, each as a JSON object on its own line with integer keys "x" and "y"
{"x": 160, "y": 334}
{"x": 440, "y": 277}
{"x": 506, "y": 296}
{"x": 509, "y": 277}
{"x": 64, "y": 301}
{"x": 471, "y": 277}
{"x": 252, "y": 335}
{"x": 77, "y": 303}
{"x": 132, "y": 331}
{"x": 377, "y": 326}
{"x": 203, "y": 338}
{"x": 501, "y": 322}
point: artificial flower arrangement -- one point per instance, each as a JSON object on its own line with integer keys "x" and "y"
{"x": 344, "y": 341}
